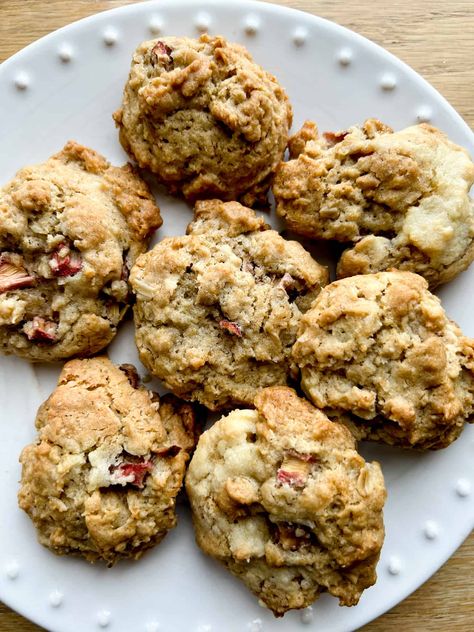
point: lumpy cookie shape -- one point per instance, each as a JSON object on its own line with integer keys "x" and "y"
{"x": 70, "y": 230}
{"x": 204, "y": 117}
{"x": 401, "y": 198}
{"x": 378, "y": 352}
{"x": 217, "y": 310}
{"x": 102, "y": 478}
{"x": 281, "y": 497}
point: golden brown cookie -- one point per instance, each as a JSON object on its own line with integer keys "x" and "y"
{"x": 70, "y": 230}
{"x": 217, "y": 310}
{"x": 102, "y": 478}
{"x": 401, "y": 198}
{"x": 281, "y": 497}
{"x": 204, "y": 117}
{"x": 378, "y": 352}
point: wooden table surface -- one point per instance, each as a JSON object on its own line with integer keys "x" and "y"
{"x": 436, "y": 38}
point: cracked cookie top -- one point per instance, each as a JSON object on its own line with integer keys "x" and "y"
{"x": 204, "y": 117}
{"x": 70, "y": 230}
{"x": 217, "y": 310}
{"x": 378, "y": 352}
{"x": 281, "y": 497}
{"x": 402, "y": 198}
{"x": 102, "y": 477}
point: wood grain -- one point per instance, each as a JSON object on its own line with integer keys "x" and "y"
{"x": 436, "y": 38}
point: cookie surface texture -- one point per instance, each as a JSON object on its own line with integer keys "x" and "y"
{"x": 217, "y": 310}
{"x": 379, "y": 352}
{"x": 401, "y": 198}
{"x": 281, "y": 497}
{"x": 70, "y": 229}
{"x": 102, "y": 478}
{"x": 204, "y": 117}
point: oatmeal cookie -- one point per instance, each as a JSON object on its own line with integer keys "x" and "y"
{"x": 204, "y": 117}
{"x": 70, "y": 230}
{"x": 401, "y": 198}
{"x": 282, "y": 498}
{"x": 217, "y": 310}
{"x": 378, "y": 352}
{"x": 102, "y": 478}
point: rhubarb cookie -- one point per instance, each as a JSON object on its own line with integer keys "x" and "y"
{"x": 217, "y": 310}
{"x": 378, "y": 352}
{"x": 400, "y": 199}
{"x": 281, "y": 497}
{"x": 70, "y": 230}
{"x": 204, "y": 117}
{"x": 102, "y": 478}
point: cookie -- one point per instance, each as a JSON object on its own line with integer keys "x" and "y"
{"x": 281, "y": 497}
{"x": 400, "y": 198}
{"x": 204, "y": 117}
{"x": 102, "y": 478}
{"x": 217, "y": 310}
{"x": 378, "y": 352}
{"x": 70, "y": 230}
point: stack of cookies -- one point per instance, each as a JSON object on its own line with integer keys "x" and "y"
{"x": 234, "y": 318}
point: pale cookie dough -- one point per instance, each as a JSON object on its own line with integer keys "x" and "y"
{"x": 102, "y": 478}
{"x": 401, "y": 198}
{"x": 282, "y": 498}
{"x": 217, "y": 310}
{"x": 204, "y": 117}
{"x": 70, "y": 230}
{"x": 378, "y": 352}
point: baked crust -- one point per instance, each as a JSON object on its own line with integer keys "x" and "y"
{"x": 70, "y": 229}
{"x": 102, "y": 478}
{"x": 204, "y": 117}
{"x": 378, "y": 352}
{"x": 217, "y": 310}
{"x": 281, "y": 497}
{"x": 401, "y": 198}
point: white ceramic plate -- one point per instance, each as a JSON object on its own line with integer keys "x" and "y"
{"x": 66, "y": 86}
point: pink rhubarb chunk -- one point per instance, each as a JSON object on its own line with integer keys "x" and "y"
{"x": 65, "y": 263}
